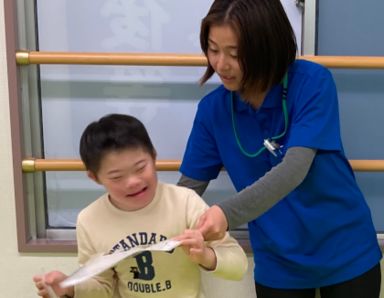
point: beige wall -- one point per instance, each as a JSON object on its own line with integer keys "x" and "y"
{"x": 17, "y": 269}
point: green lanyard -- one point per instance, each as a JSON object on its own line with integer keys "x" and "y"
{"x": 285, "y": 114}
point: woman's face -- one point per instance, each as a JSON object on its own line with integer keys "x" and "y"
{"x": 222, "y": 55}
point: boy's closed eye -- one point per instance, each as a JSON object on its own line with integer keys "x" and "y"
{"x": 141, "y": 167}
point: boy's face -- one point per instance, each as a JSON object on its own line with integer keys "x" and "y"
{"x": 130, "y": 178}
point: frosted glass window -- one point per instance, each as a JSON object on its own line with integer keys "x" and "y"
{"x": 163, "y": 98}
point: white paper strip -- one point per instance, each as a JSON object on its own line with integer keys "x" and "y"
{"x": 100, "y": 263}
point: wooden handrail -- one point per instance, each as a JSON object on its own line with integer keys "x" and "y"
{"x": 169, "y": 59}
{"x": 358, "y": 62}
{"x": 146, "y": 59}
{"x": 39, "y": 165}
{"x": 173, "y": 59}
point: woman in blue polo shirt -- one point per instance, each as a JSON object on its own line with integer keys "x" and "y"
{"x": 274, "y": 126}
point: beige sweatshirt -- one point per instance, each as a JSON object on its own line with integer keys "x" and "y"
{"x": 101, "y": 228}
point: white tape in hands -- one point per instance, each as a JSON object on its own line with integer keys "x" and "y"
{"x": 100, "y": 263}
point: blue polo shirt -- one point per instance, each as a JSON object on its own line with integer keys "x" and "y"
{"x": 322, "y": 232}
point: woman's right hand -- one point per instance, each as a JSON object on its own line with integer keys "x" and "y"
{"x": 52, "y": 279}
{"x": 213, "y": 224}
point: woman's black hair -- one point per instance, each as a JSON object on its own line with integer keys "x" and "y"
{"x": 266, "y": 40}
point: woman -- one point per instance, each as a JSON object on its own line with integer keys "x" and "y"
{"x": 274, "y": 126}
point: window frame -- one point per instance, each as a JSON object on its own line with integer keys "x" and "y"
{"x": 26, "y": 132}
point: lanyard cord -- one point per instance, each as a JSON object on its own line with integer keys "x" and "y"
{"x": 285, "y": 114}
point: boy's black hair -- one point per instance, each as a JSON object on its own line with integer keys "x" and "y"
{"x": 266, "y": 40}
{"x": 113, "y": 132}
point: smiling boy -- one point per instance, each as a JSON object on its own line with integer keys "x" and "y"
{"x": 138, "y": 210}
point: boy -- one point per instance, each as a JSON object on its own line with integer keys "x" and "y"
{"x": 139, "y": 210}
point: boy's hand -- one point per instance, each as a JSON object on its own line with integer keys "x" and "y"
{"x": 192, "y": 242}
{"x": 53, "y": 280}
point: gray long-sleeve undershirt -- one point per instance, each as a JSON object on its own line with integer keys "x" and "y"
{"x": 263, "y": 194}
